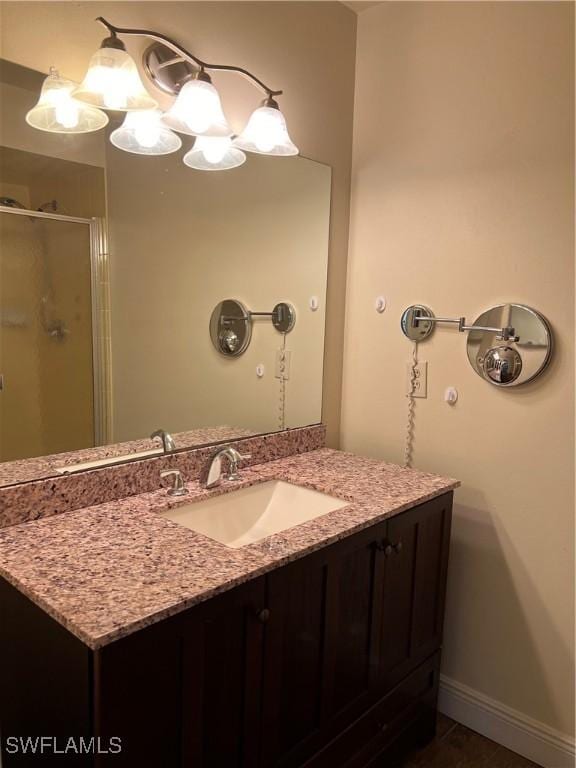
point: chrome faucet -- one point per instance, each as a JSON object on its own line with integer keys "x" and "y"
{"x": 213, "y": 471}
{"x": 178, "y": 488}
{"x": 167, "y": 440}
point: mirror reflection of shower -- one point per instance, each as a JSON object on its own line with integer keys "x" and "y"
{"x": 50, "y": 402}
{"x": 52, "y": 324}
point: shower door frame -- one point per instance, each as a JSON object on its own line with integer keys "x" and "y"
{"x": 100, "y": 299}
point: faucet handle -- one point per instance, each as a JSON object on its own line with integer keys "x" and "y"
{"x": 236, "y": 455}
{"x": 178, "y": 488}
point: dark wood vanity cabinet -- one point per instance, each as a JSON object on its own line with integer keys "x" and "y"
{"x": 350, "y": 622}
{"x": 329, "y": 661}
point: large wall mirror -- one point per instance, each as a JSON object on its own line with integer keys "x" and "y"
{"x": 111, "y": 266}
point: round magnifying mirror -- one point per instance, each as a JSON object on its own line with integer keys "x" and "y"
{"x": 230, "y": 328}
{"x": 510, "y": 363}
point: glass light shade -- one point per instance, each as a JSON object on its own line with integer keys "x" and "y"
{"x": 214, "y": 153}
{"x": 57, "y": 112}
{"x": 112, "y": 82}
{"x": 143, "y": 133}
{"x": 266, "y": 133}
{"x": 197, "y": 111}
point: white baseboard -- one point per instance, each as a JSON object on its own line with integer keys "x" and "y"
{"x": 506, "y": 726}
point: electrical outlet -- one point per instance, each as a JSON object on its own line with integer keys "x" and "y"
{"x": 283, "y": 364}
{"x": 420, "y": 387}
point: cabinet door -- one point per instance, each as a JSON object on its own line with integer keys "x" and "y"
{"x": 222, "y": 677}
{"x": 186, "y": 692}
{"x": 137, "y": 693}
{"x": 416, "y": 561}
{"x": 320, "y": 655}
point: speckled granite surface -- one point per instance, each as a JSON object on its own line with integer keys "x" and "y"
{"x": 109, "y": 570}
{"x": 40, "y": 467}
{"x": 52, "y": 496}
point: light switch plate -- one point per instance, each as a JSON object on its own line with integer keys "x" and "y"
{"x": 420, "y": 379}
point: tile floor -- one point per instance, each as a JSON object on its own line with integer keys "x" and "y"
{"x": 456, "y": 746}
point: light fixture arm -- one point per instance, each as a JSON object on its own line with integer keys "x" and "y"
{"x": 186, "y": 55}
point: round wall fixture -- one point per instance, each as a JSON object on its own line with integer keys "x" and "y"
{"x": 515, "y": 361}
{"x": 230, "y": 327}
{"x": 413, "y": 329}
{"x": 283, "y": 317}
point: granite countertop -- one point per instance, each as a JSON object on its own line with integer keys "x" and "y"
{"x": 38, "y": 467}
{"x": 106, "y": 571}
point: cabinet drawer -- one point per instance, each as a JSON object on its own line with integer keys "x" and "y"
{"x": 384, "y": 722}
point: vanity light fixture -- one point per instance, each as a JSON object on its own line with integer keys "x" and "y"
{"x": 58, "y": 112}
{"x": 214, "y": 153}
{"x": 112, "y": 83}
{"x": 112, "y": 80}
{"x": 143, "y": 133}
{"x": 266, "y": 132}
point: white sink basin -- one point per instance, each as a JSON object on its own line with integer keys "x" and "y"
{"x": 242, "y": 517}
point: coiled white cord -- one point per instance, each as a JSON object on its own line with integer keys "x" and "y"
{"x": 282, "y": 403}
{"x": 409, "y": 444}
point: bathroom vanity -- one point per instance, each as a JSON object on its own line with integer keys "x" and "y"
{"x": 318, "y": 646}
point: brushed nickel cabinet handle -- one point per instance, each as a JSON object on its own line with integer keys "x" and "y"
{"x": 263, "y": 616}
{"x": 384, "y": 546}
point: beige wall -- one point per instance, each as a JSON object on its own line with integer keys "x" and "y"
{"x": 306, "y": 48}
{"x": 463, "y": 198}
{"x": 181, "y": 241}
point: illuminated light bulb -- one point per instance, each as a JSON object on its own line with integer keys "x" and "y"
{"x": 112, "y": 80}
{"x": 67, "y": 113}
{"x": 111, "y": 84}
{"x": 143, "y": 134}
{"x": 58, "y": 112}
{"x": 197, "y": 110}
{"x": 147, "y": 133}
{"x": 214, "y": 153}
{"x": 214, "y": 149}
{"x": 266, "y": 132}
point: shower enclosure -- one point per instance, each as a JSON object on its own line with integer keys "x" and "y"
{"x": 54, "y": 339}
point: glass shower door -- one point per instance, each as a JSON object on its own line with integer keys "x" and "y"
{"x": 46, "y": 354}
